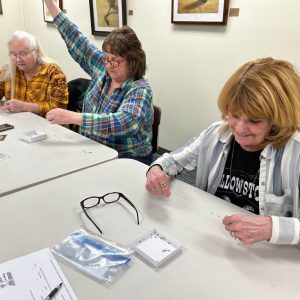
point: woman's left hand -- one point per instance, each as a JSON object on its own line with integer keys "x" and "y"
{"x": 249, "y": 229}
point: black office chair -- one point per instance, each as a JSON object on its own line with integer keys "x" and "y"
{"x": 155, "y": 125}
{"x": 76, "y": 88}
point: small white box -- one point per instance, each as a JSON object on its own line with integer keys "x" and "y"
{"x": 156, "y": 247}
{"x": 33, "y": 136}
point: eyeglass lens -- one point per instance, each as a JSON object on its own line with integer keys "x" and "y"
{"x": 22, "y": 54}
{"x": 93, "y": 201}
{"x": 113, "y": 63}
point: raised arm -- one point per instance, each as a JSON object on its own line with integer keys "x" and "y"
{"x": 52, "y": 7}
{"x": 82, "y": 51}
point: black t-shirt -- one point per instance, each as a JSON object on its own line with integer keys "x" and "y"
{"x": 239, "y": 183}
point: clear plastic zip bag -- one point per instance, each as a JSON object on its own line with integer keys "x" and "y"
{"x": 96, "y": 256}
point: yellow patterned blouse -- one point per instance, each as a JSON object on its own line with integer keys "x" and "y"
{"x": 48, "y": 88}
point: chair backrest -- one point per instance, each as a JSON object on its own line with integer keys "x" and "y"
{"x": 77, "y": 88}
{"x": 155, "y": 125}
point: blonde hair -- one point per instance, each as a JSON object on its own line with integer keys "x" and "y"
{"x": 33, "y": 44}
{"x": 268, "y": 89}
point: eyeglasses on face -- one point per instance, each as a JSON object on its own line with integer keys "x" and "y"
{"x": 93, "y": 201}
{"x": 113, "y": 63}
{"x": 22, "y": 54}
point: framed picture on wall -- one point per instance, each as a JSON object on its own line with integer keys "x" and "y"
{"x": 107, "y": 15}
{"x": 47, "y": 15}
{"x": 200, "y": 11}
{"x": 1, "y": 11}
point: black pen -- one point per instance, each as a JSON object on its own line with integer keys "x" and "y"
{"x": 53, "y": 292}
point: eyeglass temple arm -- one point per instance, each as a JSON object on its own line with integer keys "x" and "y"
{"x": 85, "y": 212}
{"x": 130, "y": 203}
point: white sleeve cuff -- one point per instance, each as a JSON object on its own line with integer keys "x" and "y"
{"x": 285, "y": 230}
{"x": 275, "y": 230}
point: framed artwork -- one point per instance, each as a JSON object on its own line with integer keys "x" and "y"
{"x": 107, "y": 15}
{"x": 200, "y": 11}
{"x": 47, "y": 15}
{"x": 1, "y": 11}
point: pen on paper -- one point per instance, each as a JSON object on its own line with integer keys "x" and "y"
{"x": 53, "y": 292}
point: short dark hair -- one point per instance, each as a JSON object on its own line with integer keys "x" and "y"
{"x": 124, "y": 42}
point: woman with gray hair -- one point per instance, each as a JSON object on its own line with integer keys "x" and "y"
{"x": 31, "y": 81}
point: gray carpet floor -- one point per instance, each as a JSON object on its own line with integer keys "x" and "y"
{"x": 189, "y": 177}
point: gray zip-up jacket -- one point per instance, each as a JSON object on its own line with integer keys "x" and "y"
{"x": 278, "y": 177}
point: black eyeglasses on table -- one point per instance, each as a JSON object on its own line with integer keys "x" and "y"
{"x": 107, "y": 198}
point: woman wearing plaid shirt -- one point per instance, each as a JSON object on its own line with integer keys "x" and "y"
{"x": 117, "y": 106}
{"x": 32, "y": 81}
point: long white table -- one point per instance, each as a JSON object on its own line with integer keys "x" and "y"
{"x": 212, "y": 265}
{"x": 63, "y": 152}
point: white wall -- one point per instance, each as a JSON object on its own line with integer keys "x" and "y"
{"x": 48, "y": 35}
{"x": 11, "y": 20}
{"x": 188, "y": 64}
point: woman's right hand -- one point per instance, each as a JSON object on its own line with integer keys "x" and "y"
{"x": 52, "y": 7}
{"x": 158, "y": 182}
{"x": 64, "y": 117}
{"x": 14, "y": 105}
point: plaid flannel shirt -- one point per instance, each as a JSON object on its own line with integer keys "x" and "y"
{"x": 48, "y": 88}
{"x": 121, "y": 120}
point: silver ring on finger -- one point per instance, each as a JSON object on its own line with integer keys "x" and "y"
{"x": 163, "y": 184}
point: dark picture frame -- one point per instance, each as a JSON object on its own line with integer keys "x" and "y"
{"x": 107, "y": 15}
{"x": 1, "y": 11}
{"x": 47, "y": 16}
{"x": 213, "y": 12}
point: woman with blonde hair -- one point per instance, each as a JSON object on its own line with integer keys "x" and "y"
{"x": 251, "y": 158}
{"x": 31, "y": 81}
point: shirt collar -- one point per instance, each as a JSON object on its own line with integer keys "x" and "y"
{"x": 42, "y": 71}
{"x": 128, "y": 81}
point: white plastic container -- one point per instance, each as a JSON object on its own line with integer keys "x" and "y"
{"x": 156, "y": 247}
{"x": 33, "y": 136}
